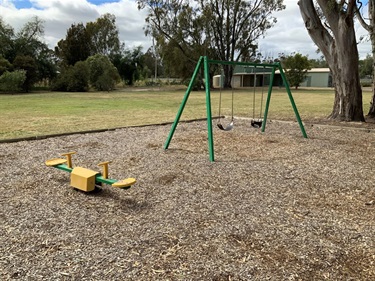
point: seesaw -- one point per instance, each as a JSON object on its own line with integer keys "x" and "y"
{"x": 85, "y": 179}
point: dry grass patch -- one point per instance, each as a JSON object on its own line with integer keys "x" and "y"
{"x": 39, "y": 114}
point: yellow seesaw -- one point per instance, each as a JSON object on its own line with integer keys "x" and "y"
{"x": 86, "y": 179}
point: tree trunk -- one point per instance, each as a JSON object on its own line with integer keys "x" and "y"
{"x": 228, "y": 72}
{"x": 371, "y": 112}
{"x": 339, "y": 47}
{"x": 348, "y": 105}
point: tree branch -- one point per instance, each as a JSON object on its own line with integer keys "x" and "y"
{"x": 360, "y": 18}
{"x": 314, "y": 26}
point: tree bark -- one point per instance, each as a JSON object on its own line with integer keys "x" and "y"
{"x": 339, "y": 47}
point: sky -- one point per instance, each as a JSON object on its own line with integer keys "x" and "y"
{"x": 287, "y": 36}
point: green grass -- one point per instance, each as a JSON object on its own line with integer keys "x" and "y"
{"x": 38, "y": 114}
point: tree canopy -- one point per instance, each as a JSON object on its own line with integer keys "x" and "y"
{"x": 104, "y": 36}
{"x": 76, "y": 45}
{"x": 25, "y": 50}
{"x": 296, "y": 67}
{"x": 81, "y": 41}
{"x": 222, "y": 29}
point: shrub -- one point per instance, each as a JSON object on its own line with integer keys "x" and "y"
{"x": 28, "y": 64}
{"x": 103, "y": 74}
{"x": 12, "y": 81}
{"x": 73, "y": 79}
{"x": 196, "y": 86}
{"x": 5, "y": 65}
{"x": 78, "y": 78}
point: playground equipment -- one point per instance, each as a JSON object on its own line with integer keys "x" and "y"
{"x": 257, "y": 123}
{"x": 85, "y": 179}
{"x": 205, "y": 62}
{"x": 231, "y": 124}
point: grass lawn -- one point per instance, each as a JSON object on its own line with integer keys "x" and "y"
{"x": 36, "y": 114}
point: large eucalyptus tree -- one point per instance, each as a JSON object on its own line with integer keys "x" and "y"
{"x": 330, "y": 24}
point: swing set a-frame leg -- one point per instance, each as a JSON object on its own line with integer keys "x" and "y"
{"x": 182, "y": 106}
{"x": 298, "y": 117}
{"x": 208, "y": 106}
{"x": 285, "y": 81}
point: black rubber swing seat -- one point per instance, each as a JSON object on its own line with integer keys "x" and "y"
{"x": 257, "y": 123}
{"x": 227, "y": 128}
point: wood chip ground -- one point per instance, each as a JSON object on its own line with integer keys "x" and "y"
{"x": 274, "y": 206}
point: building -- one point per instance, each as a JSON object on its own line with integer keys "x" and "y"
{"x": 318, "y": 77}
{"x": 260, "y": 76}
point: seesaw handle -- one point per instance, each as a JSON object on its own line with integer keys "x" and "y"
{"x": 69, "y": 158}
{"x": 105, "y": 168}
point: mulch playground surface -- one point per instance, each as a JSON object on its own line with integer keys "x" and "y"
{"x": 273, "y": 206}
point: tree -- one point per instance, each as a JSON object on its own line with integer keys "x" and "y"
{"x": 81, "y": 41}
{"x": 369, "y": 25}
{"x": 151, "y": 64}
{"x": 12, "y": 81}
{"x": 47, "y": 65}
{"x": 366, "y": 67}
{"x": 221, "y": 29}
{"x": 104, "y": 36}
{"x": 175, "y": 63}
{"x": 129, "y": 65}
{"x": 73, "y": 78}
{"x": 28, "y": 39}
{"x": 5, "y": 65}
{"x": 76, "y": 45}
{"x": 6, "y": 39}
{"x": 296, "y": 67}
{"x": 178, "y": 33}
{"x": 78, "y": 77}
{"x": 336, "y": 40}
{"x": 26, "y": 49}
{"x": 103, "y": 74}
{"x": 26, "y": 42}
{"x": 28, "y": 64}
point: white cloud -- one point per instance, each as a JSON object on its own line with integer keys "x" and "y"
{"x": 60, "y": 15}
{"x": 287, "y": 36}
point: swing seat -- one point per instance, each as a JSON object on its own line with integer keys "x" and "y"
{"x": 227, "y": 128}
{"x": 257, "y": 123}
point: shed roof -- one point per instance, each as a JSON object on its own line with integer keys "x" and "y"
{"x": 312, "y": 70}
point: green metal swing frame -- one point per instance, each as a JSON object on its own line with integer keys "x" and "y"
{"x": 205, "y": 62}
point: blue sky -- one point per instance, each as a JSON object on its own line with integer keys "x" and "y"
{"x": 26, "y": 4}
{"x": 22, "y": 4}
{"x": 287, "y": 36}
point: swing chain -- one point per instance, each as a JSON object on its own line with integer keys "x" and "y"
{"x": 257, "y": 123}
{"x": 231, "y": 124}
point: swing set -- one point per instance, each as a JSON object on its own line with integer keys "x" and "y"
{"x": 257, "y": 123}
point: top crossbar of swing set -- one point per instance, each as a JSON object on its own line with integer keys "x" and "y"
{"x": 206, "y": 62}
{"x": 269, "y": 65}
